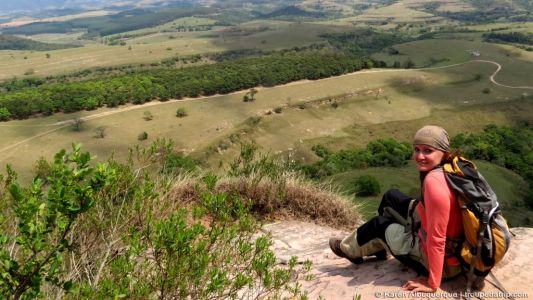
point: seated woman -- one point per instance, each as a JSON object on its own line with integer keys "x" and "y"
{"x": 415, "y": 232}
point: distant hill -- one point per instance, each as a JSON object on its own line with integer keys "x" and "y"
{"x": 10, "y": 42}
{"x": 292, "y": 11}
{"x": 110, "y": 24}
{"x": 502, "y": 4}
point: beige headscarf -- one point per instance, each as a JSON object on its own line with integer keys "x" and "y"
{"x": 433, "y": 136}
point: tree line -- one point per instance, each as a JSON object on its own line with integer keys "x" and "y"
{"x": 379, "y": 153}
{"x": 509, "y": 37}
{"x": 10, "y": 42}
{"x": 364, "y": 41}
{"x": 164, "y": 84}
{"x": 511, "y": 148}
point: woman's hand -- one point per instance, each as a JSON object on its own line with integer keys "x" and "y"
{"x": 418, "y": 286}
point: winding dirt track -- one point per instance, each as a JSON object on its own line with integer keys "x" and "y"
{"x": 66, "y": 123}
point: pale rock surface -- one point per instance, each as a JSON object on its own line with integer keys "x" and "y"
{"x": 337, "y": 278}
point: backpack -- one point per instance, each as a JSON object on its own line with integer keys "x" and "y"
{"x": 486, "y": 234}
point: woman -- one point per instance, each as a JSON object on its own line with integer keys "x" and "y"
{"x": 415, "y": 232}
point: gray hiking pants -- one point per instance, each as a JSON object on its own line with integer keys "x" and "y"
{"x": 391, "y": 229}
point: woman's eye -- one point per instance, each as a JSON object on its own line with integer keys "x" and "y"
{"x": 428, "y": 151}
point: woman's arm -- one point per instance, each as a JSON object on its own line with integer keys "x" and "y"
{"x": 437, "y": 197}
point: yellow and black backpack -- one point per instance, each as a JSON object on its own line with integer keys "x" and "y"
{"x": 486, "y": 234}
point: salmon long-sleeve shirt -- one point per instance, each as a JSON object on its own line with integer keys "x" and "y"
{"x": 440, "y": 216}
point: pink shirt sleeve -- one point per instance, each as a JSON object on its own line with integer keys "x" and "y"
{"x": 437, "y": 207}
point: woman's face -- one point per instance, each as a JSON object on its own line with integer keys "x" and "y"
{"x": 426, "y": 157}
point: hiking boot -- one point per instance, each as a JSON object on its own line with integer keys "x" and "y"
{"x": 335, "y": 245}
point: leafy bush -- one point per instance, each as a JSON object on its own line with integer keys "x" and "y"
{"x": 367, "y": 185}
{"x": 205, "y": 252}
{"x": 147, "y": 116}
{"x": 4, "y": 114}
{"x": 379, "y": 153}
{"x": 176, "y": 163}
{"x": 100, "y": 132}
{"x": 181, "y": 112}
{"x": 36, "y": 224}
{"x": 142, "y": 136}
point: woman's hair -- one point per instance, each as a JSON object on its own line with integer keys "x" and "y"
{"x": 449, "y": 156}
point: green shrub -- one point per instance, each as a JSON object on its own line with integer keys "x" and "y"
{"x": 142, "y": 136}
{"x": 176, "y": 163}
{"x": 44, "y": 217}
{"x": 367, "y": 185}
{"x": 379, "y": 153}
{"x": 195, "y": 260}
{"x": 147, "y": 116}
{"x": 181, "y": 112}
{"x": 4, "y": 114}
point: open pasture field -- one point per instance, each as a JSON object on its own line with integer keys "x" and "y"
{"x": 186, "y": 22}
{"x": 504, "y": 27}
{"x": 147, "y": 49}
{"x": 18, "y": 63}
{"x": 516, "y": 63}
{"x": 215, "y": 125}
{"x": 23, "y": 21}
{"x": 61, "y": 38}
{"x": 395, "y": 13}
{"x": 441, "y": 5}
{"x": 278, "y": 35}
{"x": 344, "y": 8}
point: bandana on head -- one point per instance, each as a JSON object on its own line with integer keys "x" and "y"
{"x": 433, "y": 136}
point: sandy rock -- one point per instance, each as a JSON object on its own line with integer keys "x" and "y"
{"x": 337, "y": 278}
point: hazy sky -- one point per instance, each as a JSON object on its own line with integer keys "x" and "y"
{"x": 7, "y": 6}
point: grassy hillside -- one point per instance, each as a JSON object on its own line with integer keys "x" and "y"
{"x": 215, "y": 125}
{"x": 105, "y": 25}
{"x": 509, "y": 187}
{"x": 516, "y": 63}
{"x": 147, "y": 49}
{"x": 10, "y": 42}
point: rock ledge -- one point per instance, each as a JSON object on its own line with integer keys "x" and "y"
{"x": 337, "y": 278}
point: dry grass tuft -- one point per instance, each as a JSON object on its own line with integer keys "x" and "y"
{"x": 289, "y": 197}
